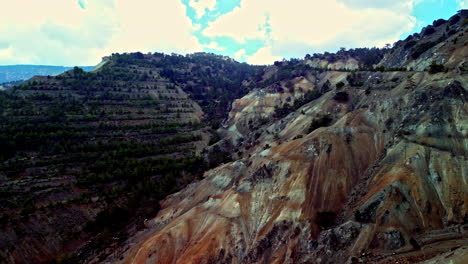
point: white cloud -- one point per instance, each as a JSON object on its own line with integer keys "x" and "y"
{"x": 263, "y": 56}
{"x": 381, "y": 4}
{"x": 240, "y": 54}
{"x": 61, "y": 32}
{"x": 244, "y": 22}
{"x": 7, "y": 53}
{"x": 463, "y": 4}
{"x": 200, "y": 6}
{"x": 214, "y": 46}
{"x": 295, "y": 27}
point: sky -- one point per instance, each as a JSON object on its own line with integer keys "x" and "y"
{"x": 81, "y": 32}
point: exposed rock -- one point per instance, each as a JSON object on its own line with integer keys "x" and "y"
{"x": 393, "y": 239}
{"x": 391, "y": 166}
{"x": 371, "y": 168}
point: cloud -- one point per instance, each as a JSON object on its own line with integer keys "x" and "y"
{"x": 200, "y": 6}
{"x": 68, "y": 32}
{"x": 293, "y": 28}
{"x": 233, "y": 25}
{"x": 263, "y": 56}
{"x": 380, "y": 4}
{"x": 80, "y": 32}
{"x": 463, "y": 4}
{"x": 240, "y": 54}
{"x": 214, "y": 46}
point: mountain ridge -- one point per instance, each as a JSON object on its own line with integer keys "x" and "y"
{"x": 21, "y": 72}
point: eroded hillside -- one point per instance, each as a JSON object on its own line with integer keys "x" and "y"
{"x": 333, "y": 166}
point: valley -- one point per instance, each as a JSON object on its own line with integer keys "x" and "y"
{"x": 358, "y": 156}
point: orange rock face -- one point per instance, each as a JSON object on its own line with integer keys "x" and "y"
{"x": 385, "y": 178}
{"x": 271, "y": 207}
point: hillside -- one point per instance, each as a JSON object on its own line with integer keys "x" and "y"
{"x": 12, "y": 73}
{"x": 86, "y": 156}
{"x": 336, "y": 161}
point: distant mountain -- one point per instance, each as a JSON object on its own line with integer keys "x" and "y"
{"x": 126, "y": 135}
{"x": 9, "y": 73}
{"x": 6, "y": 85}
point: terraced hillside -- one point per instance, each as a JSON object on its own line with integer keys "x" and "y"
{"x": 84, "y": 155}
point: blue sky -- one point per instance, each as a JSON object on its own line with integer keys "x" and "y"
{"x": 81, "y": 32}
{"x": 429, "y": 10}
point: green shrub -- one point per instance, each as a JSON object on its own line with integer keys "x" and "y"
{"x": 325, "y": 219}
{"x": 465, "y": 22}
{"x": 321, "y": 121}
{"x": 453, "y": 20}
{"x": 341, "y": 97}
{"x": 409, "y": 44}
{"x": 421, "y": 48}
{"x": 429, "y": 31}
{"x": 438, "y": 22}
{"x": 355, "y": 79}
{"x": 435, "y": 68}
{"x": 113, "y": 219}
{"x": 298, "y": 136}
{"x": 339, "y": 85}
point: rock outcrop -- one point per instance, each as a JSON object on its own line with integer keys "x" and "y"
{"x": 370, "y": 171}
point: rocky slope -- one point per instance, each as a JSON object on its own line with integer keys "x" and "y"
{"x": 333, "y": 166}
